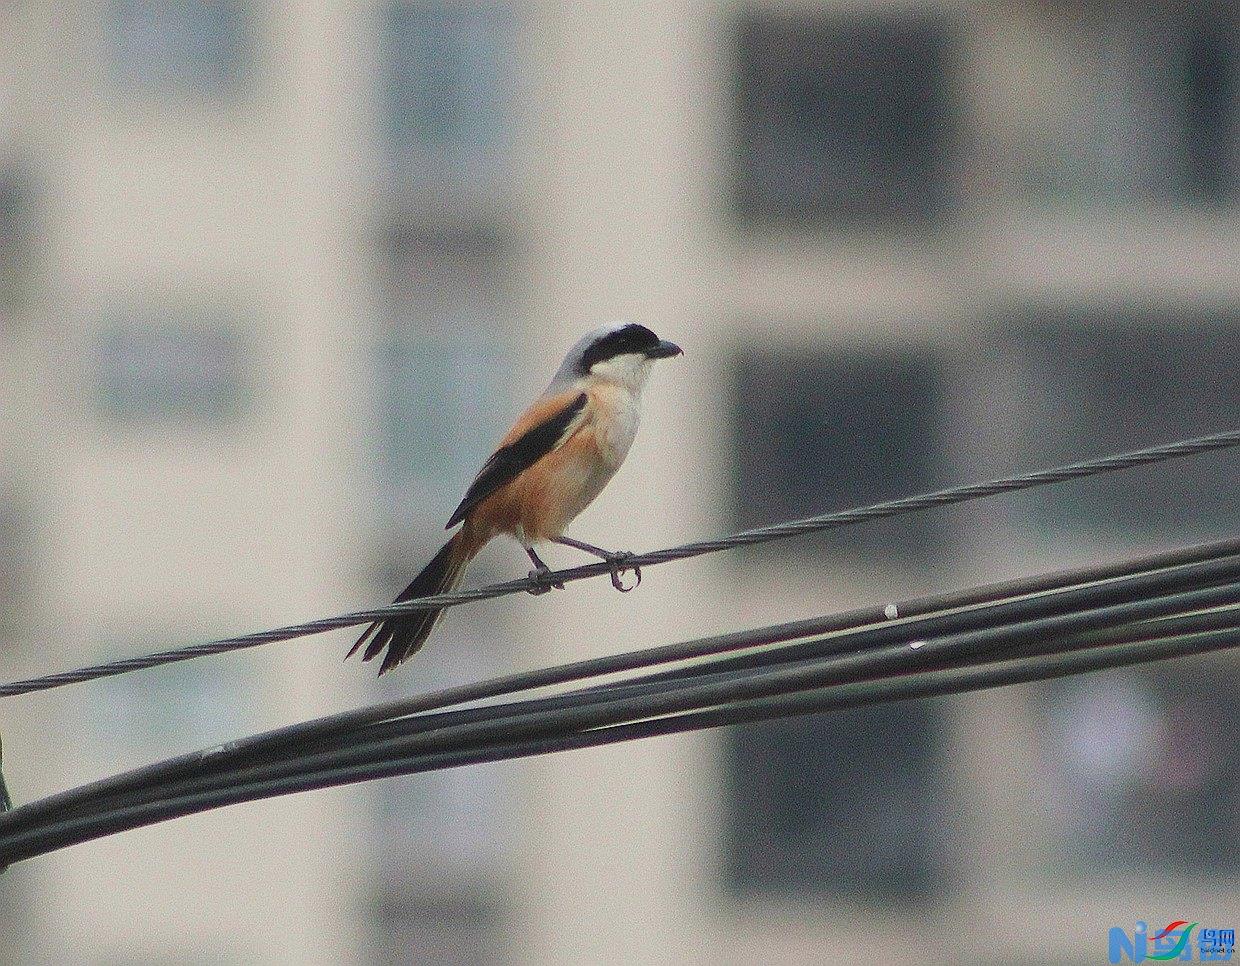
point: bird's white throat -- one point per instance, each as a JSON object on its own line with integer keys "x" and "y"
{"x": 628, "y": 371}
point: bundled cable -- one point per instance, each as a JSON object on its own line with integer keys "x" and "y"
{"x": 1158, "y": 607}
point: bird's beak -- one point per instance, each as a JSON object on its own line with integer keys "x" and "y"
{"x": 665, "y": 350}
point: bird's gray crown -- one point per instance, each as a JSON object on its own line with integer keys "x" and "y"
{"x": 617, "y": 338}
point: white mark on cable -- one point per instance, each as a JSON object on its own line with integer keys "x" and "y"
{"x": 916, "y": 644}
{"x": 891, "y": 612}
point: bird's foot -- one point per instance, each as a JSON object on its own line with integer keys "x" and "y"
{"x": 619, "y": 564}
{"x": 543, "y": 584}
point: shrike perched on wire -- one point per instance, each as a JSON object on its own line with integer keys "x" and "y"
{"x": 554, "y": 461}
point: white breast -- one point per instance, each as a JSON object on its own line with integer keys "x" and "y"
{"x": 617, "y": 416}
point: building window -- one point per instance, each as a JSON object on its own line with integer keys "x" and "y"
{"x": 152, "y": 366}
{"x": 842, "y": 121}
{"x": 1109, "y": 103}
{"x": 849, "y": 806}
{"x": 460, "y": 930}
{"x": 439, "y": 418}
{"x": 443, "y": 364}
{"x": 16, "y": 236}
{"x": 449, "y": 79}
{"x": 1137, "y": 770}
{"x": 202, "y": 46}
{"x": 14, "y": 561}
{"x": 455, "y": 821}
{"x": 1209, "y": 93}
{"x": 1087, "y": 384}
{"x": 817, "y": 431}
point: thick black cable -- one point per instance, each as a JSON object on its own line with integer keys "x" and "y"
{"x": 1140, "y": 598}
{"x": 1102, "y": 584}
{"x": 871, "y": 691}
{"x": 605, "y": 709}
{"x": 349, "y": 727}
{"x": 373, "y": 743}
{"x": 1197, "y": 602}
{"x": 1179, "y": 628}
{"x": 77, "y": 829}
{"x": 1204, "y": 573}
{"x": 1198, "y": 622}
{"x": 443, "y": 732}
{"x": 953, "y": 495}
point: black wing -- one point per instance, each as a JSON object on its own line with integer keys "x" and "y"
{"x": 509, "y": 462}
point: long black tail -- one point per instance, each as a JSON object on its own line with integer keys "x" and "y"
{"x": 403, "y": 636}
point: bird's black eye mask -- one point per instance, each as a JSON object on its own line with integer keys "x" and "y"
{"x": 632, "y": 338}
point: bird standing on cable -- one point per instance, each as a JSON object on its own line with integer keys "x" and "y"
{"x": 554, "y": 461}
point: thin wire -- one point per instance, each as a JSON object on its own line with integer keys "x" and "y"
{"x": 1094, "y": 584}
{"x": 815, "y": 524}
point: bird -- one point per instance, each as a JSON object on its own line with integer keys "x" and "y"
{"x": 557, "y": 457}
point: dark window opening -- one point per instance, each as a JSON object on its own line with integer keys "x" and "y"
{"x": 847, "y": 805}
{"x": 842, "y": 121}
{"x": 817, "y": 432}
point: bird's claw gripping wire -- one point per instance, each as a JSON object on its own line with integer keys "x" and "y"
{"x": 542, "y": 576}
{"x": 617, "y": 561}
{"x": 619, "y": 564}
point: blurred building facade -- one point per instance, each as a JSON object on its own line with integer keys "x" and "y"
{"x": 274, "y": 276}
